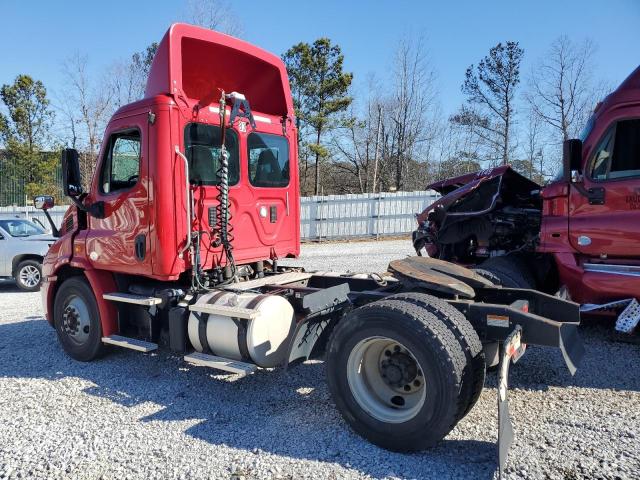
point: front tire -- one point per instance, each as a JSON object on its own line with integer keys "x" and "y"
{"x": 28, "y": 275}
{"x": 395, "y": 374}
{"x": 511, "y": 271}
{"x": 77, "y": 320}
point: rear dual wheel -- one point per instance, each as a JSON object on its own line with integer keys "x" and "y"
{"x": 396, "y": 372}
{"x": 474, "y": 372}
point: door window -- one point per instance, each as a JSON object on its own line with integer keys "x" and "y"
{"x": 618, "y": 155}
{"x": 202, "y": 145}
{"x": 121, "y": 167}
{"x": 268, "y": 160}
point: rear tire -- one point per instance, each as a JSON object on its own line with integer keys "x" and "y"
{"x": 511, "y": 271}
{"x": 403, "y": 420}
{"x": 77, "y": 320}
{"x": 28, "y": 275}
{"x": 474, "y": 373}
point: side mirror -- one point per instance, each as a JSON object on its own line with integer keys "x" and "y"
{"x": 43, "y": 202}
{"x": 71, "y": 181}
{"x": 571, "y": 157}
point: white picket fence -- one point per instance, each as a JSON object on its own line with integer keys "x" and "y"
{"x": 330, "y": 217}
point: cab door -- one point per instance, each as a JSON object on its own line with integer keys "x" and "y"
{"x": 604, "y": 219}
{"x": 120, "y": 241}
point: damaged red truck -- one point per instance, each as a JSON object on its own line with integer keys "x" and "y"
{"x": 176, "y": 244}
{"x": 579, "y": 236}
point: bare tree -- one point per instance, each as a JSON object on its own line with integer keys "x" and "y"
{"x": 561, "y": 91}
{"x": 127, "y": 79}
{"x": 357, "y": 145}
{"x": 535, "y": 139}
{"x": 215, "y": 15}
{"x": 413, "y": 99}
{"x": 391, "y": 138}
{"x": 87, "y": 107}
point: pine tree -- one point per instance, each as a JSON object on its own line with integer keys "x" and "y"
{"x": 320, "y": 88}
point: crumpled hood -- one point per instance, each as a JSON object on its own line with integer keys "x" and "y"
{"x": 455, "y": 188}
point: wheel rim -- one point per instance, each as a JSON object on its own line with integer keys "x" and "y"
{"x": 29, "y": 276}
{"x": 386, "y": 380}
{"x": 75, "y": 320}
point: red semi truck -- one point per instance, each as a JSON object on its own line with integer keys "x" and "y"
{"x": 176, "y": 245}
{"x": 578, "y": 236}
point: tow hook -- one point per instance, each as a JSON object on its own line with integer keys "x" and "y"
{"x": 512, "y": 351}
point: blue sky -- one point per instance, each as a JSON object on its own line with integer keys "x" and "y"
{"x": 39, "y": 34}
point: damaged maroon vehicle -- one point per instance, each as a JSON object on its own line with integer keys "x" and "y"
{"x": 579, "y": 236}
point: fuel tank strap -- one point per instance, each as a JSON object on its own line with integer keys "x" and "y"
{"x": 242, "y": 326}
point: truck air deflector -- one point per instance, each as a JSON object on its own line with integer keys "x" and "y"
{"x": 195, "y": 63}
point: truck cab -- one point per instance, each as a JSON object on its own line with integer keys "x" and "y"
{"x": 598, "y": 253}
{"x": 155, "y": 191}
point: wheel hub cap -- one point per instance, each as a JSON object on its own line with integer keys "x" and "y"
{"x": 399, "y": 370}
{"x": 386, "y": 380}
{"x": 75, "y": 320}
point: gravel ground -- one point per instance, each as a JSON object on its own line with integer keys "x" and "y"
{"x": 151, "y": 416}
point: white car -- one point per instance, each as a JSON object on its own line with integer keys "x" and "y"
{"x": 23, "y": 245}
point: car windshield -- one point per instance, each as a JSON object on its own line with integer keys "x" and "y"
{"x": 20, "y": 228}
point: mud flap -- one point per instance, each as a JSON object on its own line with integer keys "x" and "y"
{"x": 512, "y": 351}
{"x": 571, "y": 347}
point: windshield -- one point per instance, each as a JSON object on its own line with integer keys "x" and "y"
{"x": 20, "y": 228}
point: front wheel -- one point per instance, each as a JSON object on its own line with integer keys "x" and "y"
{"x": 77, "y": 320}
{"x": 395, "y": 374}
{"x": 28, "y": 275}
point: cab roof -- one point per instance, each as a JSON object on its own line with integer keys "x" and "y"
{"x": 193, "y": 63}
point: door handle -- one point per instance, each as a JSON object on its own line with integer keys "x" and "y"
{"x": 141, "y": 246}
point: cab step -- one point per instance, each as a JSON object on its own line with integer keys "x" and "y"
{"x": 130, "y": 343}
{"x": 132, "y": 298}
{"x": 225, "y": 311}
{"x": 220, "y": 363}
